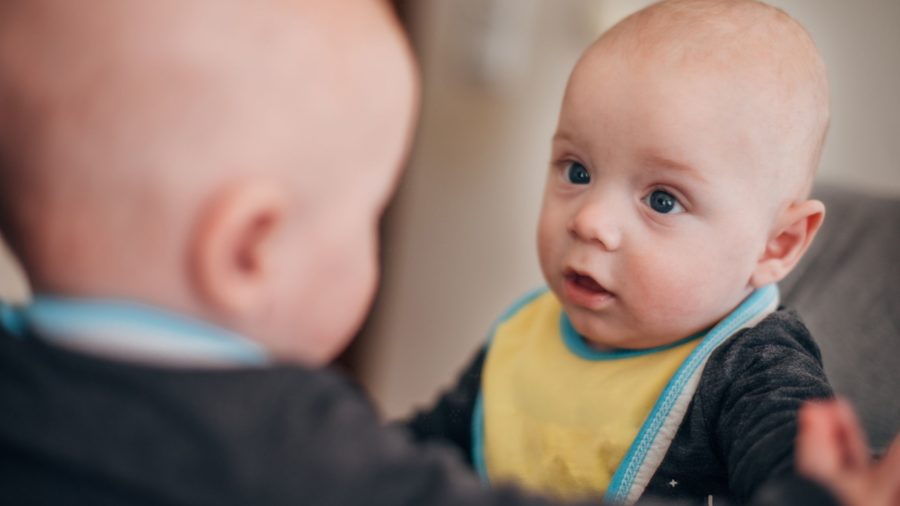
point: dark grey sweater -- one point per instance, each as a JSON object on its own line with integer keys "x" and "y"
{"x": 737, "y": 436}
{"x": 81, "y": 430}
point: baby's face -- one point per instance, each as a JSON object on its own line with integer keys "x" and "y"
{"x": 656, "y": 208}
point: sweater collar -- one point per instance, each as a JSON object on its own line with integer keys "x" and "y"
{"x": 131, "y": 331}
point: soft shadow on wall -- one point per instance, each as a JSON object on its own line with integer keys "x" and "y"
{"x": 13, "y": 286}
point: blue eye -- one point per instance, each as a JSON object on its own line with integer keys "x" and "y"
{"x": 577, "y": 174}
{"x": 663, "y": 202}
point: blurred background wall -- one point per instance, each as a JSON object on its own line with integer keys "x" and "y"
{"x": 12, "y": 284}
{"x": 459, "y": 243}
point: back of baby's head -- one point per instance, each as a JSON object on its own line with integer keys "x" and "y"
{"x": 95, "y": 121}
{"x": 761, "y": 55}
{"x": 118, "y": 118}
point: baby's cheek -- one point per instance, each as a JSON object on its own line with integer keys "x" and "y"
{"x": 549, "y": 248}
{"x": 672, "y": 285}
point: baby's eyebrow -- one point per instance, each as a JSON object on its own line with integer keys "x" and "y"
{"x": 659, "y": 161}
{"x": 562, "y": 135}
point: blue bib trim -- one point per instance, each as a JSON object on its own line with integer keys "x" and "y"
{"x": 623, "y": 488}
{"x": 126, "y": 330}
{"x": 577, "y": 345}
{"x": 669, "y": 409}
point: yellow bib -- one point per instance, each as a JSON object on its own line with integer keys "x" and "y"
{"x": 557, "y": 420}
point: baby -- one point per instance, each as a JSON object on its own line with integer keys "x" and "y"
{"x": 193, "y": 188}
{"x": 658, "y": 362}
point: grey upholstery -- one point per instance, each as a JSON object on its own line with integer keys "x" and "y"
{"x": 847, "y": 290}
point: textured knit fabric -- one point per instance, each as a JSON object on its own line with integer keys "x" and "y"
{"x": 81, "y": 430}
{"x": 737, "y": 435}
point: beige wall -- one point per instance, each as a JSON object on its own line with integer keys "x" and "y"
{"x": 460, "y": 243}
{"x": 12, "y": 283}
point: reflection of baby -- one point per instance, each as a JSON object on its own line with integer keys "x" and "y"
{"x": 658, "y": 362}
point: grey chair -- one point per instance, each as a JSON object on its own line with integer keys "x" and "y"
{"x": 847, "y": 290}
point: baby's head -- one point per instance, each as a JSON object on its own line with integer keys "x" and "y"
{"x": 228, "y": 160}
{"x": 686, "y": 147}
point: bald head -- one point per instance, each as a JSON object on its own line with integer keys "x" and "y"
{"x": 113, "y": 111}
{"x": 757, "y": 51}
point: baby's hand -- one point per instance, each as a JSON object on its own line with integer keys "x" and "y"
{"x": 832, "y": 449}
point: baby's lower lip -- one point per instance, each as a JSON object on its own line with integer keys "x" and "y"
{"x": 585, "y": 291}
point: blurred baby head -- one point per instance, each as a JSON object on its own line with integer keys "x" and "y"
{"x": 685, "y": 150}
{"x": 224, "y": 159}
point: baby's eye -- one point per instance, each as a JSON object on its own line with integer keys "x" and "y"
{"x": 576, "y": 173}
{"x": 663, "y": 202}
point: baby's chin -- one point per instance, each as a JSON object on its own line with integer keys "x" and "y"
{"x": 599, "y": 335}
{"x": 604, "y": 336}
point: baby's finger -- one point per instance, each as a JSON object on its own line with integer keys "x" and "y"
{"x": 888, "y": 471}
{"x": 856, "y": 447}
{"x": 818, "y": 453}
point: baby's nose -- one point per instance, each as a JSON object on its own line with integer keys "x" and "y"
{"x": 596, "y": 222}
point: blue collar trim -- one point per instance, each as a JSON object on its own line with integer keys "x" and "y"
{"x": 580, "y": 347}
{"x": 131, "y": 331}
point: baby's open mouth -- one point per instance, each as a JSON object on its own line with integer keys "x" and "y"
{"x": 583, "y": 290}
{"x": 585, "y": 282}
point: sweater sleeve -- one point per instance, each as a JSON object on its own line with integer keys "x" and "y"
{"x": 329, "y": 448}
{"x": 759, "y": 381}
{"x": 449, "y": 419}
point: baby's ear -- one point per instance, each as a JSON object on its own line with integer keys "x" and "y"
{"x": 232, "y": 251}
{"x": 791, "y": 237}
